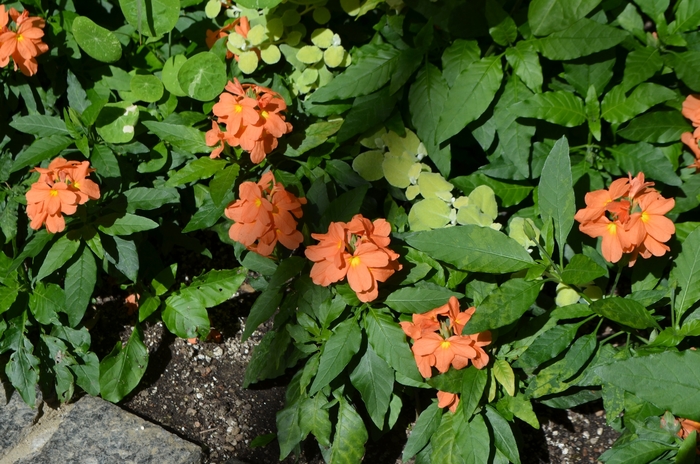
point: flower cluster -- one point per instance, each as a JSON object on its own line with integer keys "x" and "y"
{"x": 241, "y": 26}
{"x": 357, "y": 249}
{"x": 264, "y": 215}
{"x": 60, "y": 189}
{"x": 438, "y": 340}
{"x": 21, "y": 42}
{"x": 691, "y": 110}
{"x": 253, "y": 120}
{"x": 629, "y": 216}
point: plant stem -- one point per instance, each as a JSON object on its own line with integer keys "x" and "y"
{"x": 617, "y": 279}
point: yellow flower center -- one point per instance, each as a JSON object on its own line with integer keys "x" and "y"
{"x": 445, "y": 345}
{"x": 264, "y": 114}
{"x": 645, "y": 216}
{"x": 354, "y": 261}
{"x": 53, "y": 193}
{"x": 76, "y": 185}
{"x": 238, "y": 108}
{"x": 19, "y": 38}
{"x": 612, "y": 228}
{"x": 258, "y": 202}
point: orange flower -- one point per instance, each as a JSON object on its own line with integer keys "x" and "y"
{"x": 241, "y": 26}
{"x": 23, "y": 44}
{"x": 131, "y": 303}
{"x": 253, "y": 120}
{"x": 629, "y": 218}
{"x": 60, "y": 189}
{"x": 436, "y": 346}
{"x": 447, "y": 399}
{"x": 348, "y": 251}
{"x": 265, "y": 214}
{"x": 691, "y": 109}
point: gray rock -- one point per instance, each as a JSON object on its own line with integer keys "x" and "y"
{"x": 94, "y": 431}
{"x": 15, "y": 420}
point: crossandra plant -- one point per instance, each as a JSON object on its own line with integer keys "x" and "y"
{"x": 399, "y": 180}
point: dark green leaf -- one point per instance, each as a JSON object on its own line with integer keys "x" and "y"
{"x": 503, "y": 306}
{"x": 145, "y": 198}
{"x": 389, "y": 341}
{"x": 42, "y": 149}
{"x": 314, "y": 418}
{"x": 503, "y": 437}
{"x": 656, "y": 127}
{"x": 183, "y": 137}
{"x": 547, "y": 16}
{"x": 646, "y": 158}
{"x": 556, "y": 193}
{"x": 128, "y": 224}
{"x": 446, "y": 449}
{"x": 474, "y": 440}
{"x": 123, "y": 368}
{"x": 582, "y": 38}
{"x": 23, "y": 370}
{"x": 40, "y": 125}
{"x": 473, "y": 386}
{"x": 151, "y": 17}
{"x": 547, "y": 346}
{"x": 201, "y": 168}
{"x": 374, "y": 379}
{"x": 624, "y": 311}
{"x": 640, "y": 65}
{"x": 59, "y": 253}
{"x": 419, "y": 299}
{"x": 81, "y": 277}
{"x": 186, "y": 316}
{"x": 581, "y": 270}
{"x": 426, "y": 100}
{"x": 526, "y": 64}
{"x": 45, "y": 301}
{"x": 457, "y": 57}
{"x": 337, "y": 353}
{"x": 223, "y": 183}
{"x": 559, "y": 107}
{"x": 366, "y": 113}
{"x": 426, "y": 425}
{"x": 686, "y": 273}
{"x": 350, "y": 436}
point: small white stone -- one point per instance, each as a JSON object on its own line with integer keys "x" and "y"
{"x": 599, "y": 431}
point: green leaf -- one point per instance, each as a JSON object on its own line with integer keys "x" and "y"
{"x": 87, "y": 375}
{"x": 81, "y": 277}
{"x": 41, "y": 149}
{"x": 502, "y": 28}
{"x": 547, "y": 346}
{"x": 203, "y": 76}
{"x": 424, "y": 428}
{"x": 556, "y": 192}
{"x": 582, "y": 74}
{"x": 105, "y": 163}
{"x": 369, "y": 73}
{"x": 514, "y": 138}
{"x": 259, "y": 4}
{"x": 504, "y": 305}
{"x": 59, "y": 253}
{"x": 503, "y": 437}
{"x": 617, "y": 108}
{"x": 472, "y": 248}
{"x": 563, "y": 108}
{"x": 116, "y": 121}
{"x": 98, "y": 42}
{"x": 123, "y": 368}
{"x": 624, "y": 311}
{"x": 446, "y": 449}
{"x": 127, "y": 224}
{"x": 124, "y": 257}
{"x": 44, "y": 301}
{"x": 343, "y": 208}
{"x": 646, "y": 158}
{"x": 268, "y": 360}
{"x": 686, "y": 452}
{"x": 582, "y": 38}
{"x": 147, "y": 88}
{"x": 201, "y": 168}
{"x": 426, "y": 100}
{"x": 171, "y": 68}
{"x": 152, "y": 18}
{"x": 314, "y": 418}
{"x": 504, "y": 375}
{"x": 215, "y": 287}
{"x": 350, "y": 436}
{"x": 146, "y": 199}
{"x": 366, "y": 113}
{"x": 470, "y": 96}
{"x": 419, "y": 299}
{"x": 457, "y": 57}
{"x": 667, "y": 380}
{"x": 40, "y": 125}
{"x": 640, "y": 65}
{"x": 686, "y": 66}
{"x": 185, "y": 138}
{"x": 389, "y": 341}
{"x": 314, "y": 135}
{"x": 637, "y": 451}
{"x": 289, "y": 433}
{"x": 526, "y": 64}
{"x": 656, "y": 127}
{"x": 686, "y": 273}
{"x": 374, "y": 379}
{"x": 223, "y": 183}
{"x": 474, "y": 441}
{"x": 343, "y": 344}
{"x": 687, "y": 16}
{"x": 581, "y": 270}
{"x": 186, "y": 316}
{"x": 23, "y": 370}
{"x": 473, "y": 386}
{"x": 547, "y": 16}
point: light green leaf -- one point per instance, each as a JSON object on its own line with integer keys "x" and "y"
{"x": 547, "y": 16}
{"x": 582, "y": 38}
{"x": 145, "y": 198}
{"x": 40, "y": 125}
{"x": 147, "y": 88}
{"x": 374, "y": 379}
{"x": 203, "y": 76}
{"x": 41, "y": 149}
{"x": 116, "y": 122}
{"x": 201, "y": 168}
{"x": 556, "y": 192}
{"x": 504, "y": 305}
{"x": 343, "y": 344}
{"x": 372, "y": 70}
{"x": 419, "y": 300}
{"x": 81, "y": 277}
{"x": 171, "y": 68}
{"x": 23, "y": 370}
{"x": 446, "y": 449}
{"x": 503, "y": 437}
{"x": 472, "y": 389}
{"x": 314, "y": 418}
{"x": 563, "y": 108}
{"x": 526, "y": 64}
{"x": 185, "y": 138}
{"x": 504, "y": 375}
{"x": 215, "y": 287}
{"x": 470, "y": 96}
{"x": 667, "y": 380}
{"x": 123, "y": 368}
{"x": 457, "y": 57}
{"x": 634, "y": 452}
{"x": 350, "y": 436}
{"x": 127, "y": 224}
{"x": 153, "y": 18}
{"x": 185, "y": 316}
{"x": 625, "y": 311}
{"x": 656, "y": 127}
{"x": 429, "y": 214}
{"x": 474, "y": 440}
{"x": 98, "y": 42}
{"x": 61, "y": 251}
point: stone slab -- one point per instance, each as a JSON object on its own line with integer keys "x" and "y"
{"x": 16, "y": 418}
{"x": 94, "y": 431}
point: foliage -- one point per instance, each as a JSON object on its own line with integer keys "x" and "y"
{"x": 430, "y": 156}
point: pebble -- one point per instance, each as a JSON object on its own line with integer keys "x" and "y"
{"x": 217, "y": 352}
{"x": 599, "y": 431}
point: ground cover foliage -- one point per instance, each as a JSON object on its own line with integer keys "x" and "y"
{"x": 453, "y": 209}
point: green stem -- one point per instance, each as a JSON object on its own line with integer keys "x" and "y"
{"x": 617, "y": 279}
{"x": 605, "y": 340}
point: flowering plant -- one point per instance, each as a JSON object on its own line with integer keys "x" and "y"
{"x": 373, "y": 167}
